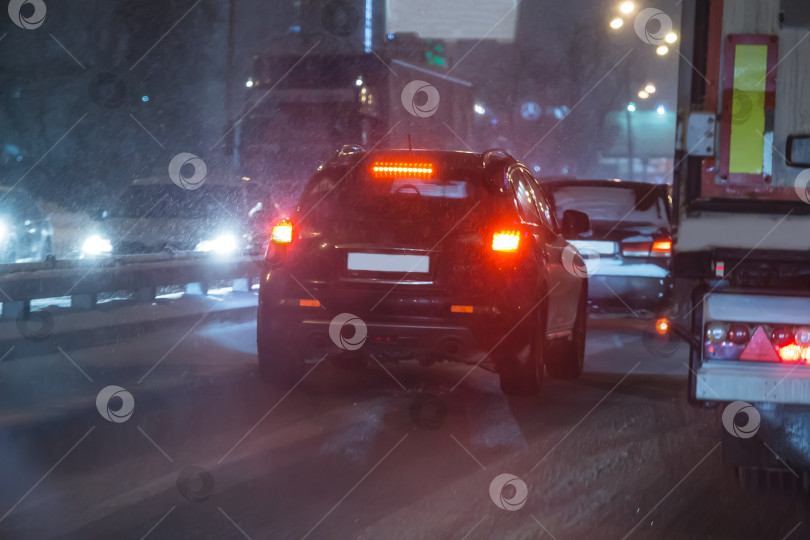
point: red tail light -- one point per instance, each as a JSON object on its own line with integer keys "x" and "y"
{"x": 791, "y": 354}
{"x": 657, "y": 248}
{"x": 282, "y": 232}
{"x": 505, "y": 241}
{"x": 661, "y": 248}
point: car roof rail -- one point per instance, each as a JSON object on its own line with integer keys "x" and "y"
{"x": 348, "y": 149}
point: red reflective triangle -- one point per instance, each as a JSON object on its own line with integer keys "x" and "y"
{"x": 760, "y": 348}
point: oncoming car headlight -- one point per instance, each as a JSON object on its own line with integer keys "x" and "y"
{"x": 223, "y": 244}
{"x": 96, "y": 245}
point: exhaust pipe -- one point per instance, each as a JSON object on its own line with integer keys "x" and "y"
{"x": 450, "y": 348}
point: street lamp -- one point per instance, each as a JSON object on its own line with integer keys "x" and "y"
{"x": 671, "y": 37}
{"x": 643, "y": 94}
{"x": 662, "y": 50}
{"x": 650, "y": 88}
{"x": 616, "y": 23}
{"x": 631, "y": 108}
{"x": 627, "y": 7}
{"x": 661, "y": 109}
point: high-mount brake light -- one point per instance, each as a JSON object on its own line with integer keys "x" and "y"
{"x": 399, "y": 169}
{"x": 282, "y": 232}
{"x": 505, "y": 241}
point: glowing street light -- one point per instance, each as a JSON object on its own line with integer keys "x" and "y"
{"x": 643, "y": 95}
{"x": 631, "y": 107}
{"x": 662, "y": 50}
{"x": 661, "y": 110}
{"x": 671, "y": 37}
{"x": 650, "y": 88}
{"x": 616, "y": 23}
{"x": 627, "y": 7}
{"x": 479, "y": 109}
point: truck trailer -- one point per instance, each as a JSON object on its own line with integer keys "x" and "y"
{"x": 741, "y": 250}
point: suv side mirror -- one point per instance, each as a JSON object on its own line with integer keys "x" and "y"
{"x": 575, "y": 223}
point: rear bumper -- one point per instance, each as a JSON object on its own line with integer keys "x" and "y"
{"x": 753, "y": 383}
{"x": 608, "y": 293}
{"x": 387, "y": 340}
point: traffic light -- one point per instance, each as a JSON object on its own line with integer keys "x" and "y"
{"x": 434, "y": 53}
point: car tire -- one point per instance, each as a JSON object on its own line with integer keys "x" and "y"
{"x": 568, "y": 360}
{"x": 277, "y": 366}
{"x": 525, "y": 379}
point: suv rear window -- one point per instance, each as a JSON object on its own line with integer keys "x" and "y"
{"x": 399, "y": 195}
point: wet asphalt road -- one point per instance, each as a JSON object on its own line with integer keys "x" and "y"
{"x": 211, "y": 452}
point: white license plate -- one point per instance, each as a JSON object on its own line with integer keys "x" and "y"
{"x": 381, "y": 262}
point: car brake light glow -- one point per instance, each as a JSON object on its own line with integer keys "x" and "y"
{"x": 308, "y": 302}
{"x": 389, "y": 169}
{"x": 505, "y": 241}
{"x": 461, "y": 309}
{"x": 662, "y": 247}
{"x": 661, "y": 326}
{"x": 656, "y": 248}
{"x": 282, "y": 232}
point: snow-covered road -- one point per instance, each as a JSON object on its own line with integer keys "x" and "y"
{"x": 211, "y": 452}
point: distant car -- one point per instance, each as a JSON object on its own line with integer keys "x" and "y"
{"x": 628, "y": 248}
{"x": 26, "y": 233}
{"x": 153, "y": 215}
{"x": 429, "y": 256}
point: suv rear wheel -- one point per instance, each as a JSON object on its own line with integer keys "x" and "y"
{"x": 525, "y": 379}
{"x": 277, "y": 365}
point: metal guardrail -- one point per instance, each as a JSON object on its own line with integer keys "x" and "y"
{"x": 82, "y": 280}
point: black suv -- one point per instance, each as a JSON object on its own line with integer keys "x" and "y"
{"x": 425, "y": 255}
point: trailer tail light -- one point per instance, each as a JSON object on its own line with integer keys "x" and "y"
{"x": 802, "y": 336}
{"x": 767, "y": 343}
{"x": 716, "y": 332}
{"x": 738, "y": 334}
{"x": 790, "y": 354}
{"x": 661, "y": 247}
{"x": 505, "y": 241}
{"x": 781, "y": 336}
{"x": 282, "y": 232}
